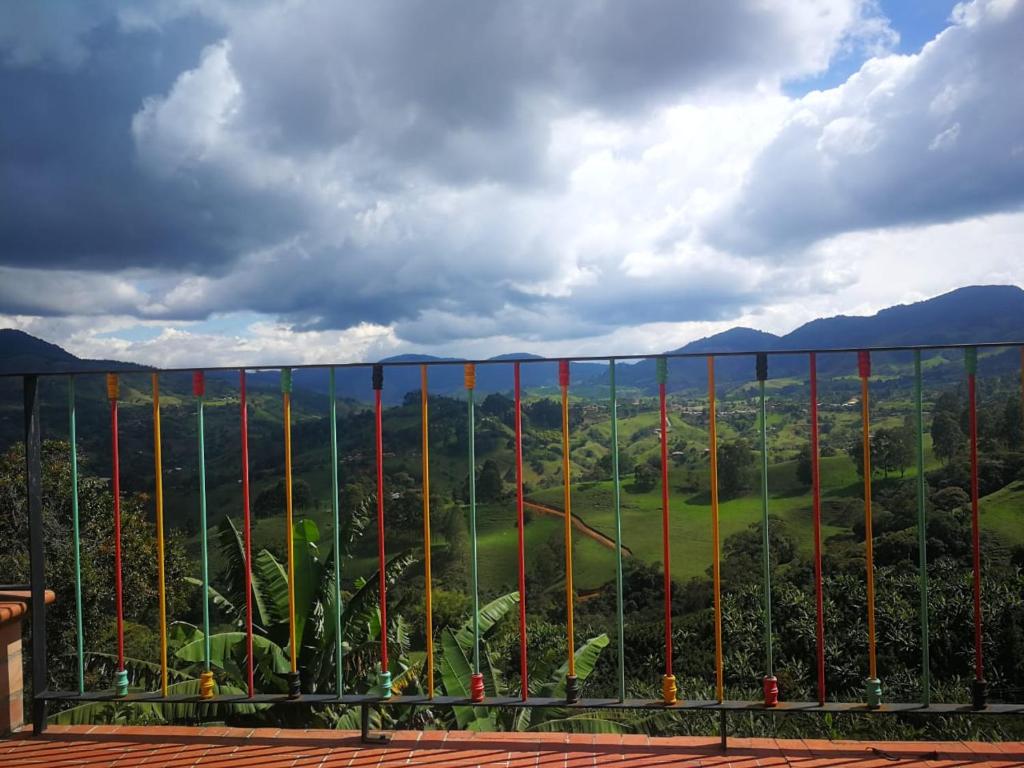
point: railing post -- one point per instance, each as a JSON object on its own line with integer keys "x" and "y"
{"x": 34, "y": 496}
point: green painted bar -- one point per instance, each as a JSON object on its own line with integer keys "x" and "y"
{"x": 335, "y": 504}
{"x": 72, "y": 439}
{"x": 616, "y": 484}
{"x": 203, "y": 536}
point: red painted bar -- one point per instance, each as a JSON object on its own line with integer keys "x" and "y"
{"x": 378, "y": 385}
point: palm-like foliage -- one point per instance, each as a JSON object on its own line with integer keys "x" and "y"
{"x": 546, "y": 681}
{"x": 316, "y": 603}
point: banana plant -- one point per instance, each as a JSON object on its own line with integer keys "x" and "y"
{"x": 315, "y": 607}
{"x": 316, "y": 604}
{"x": 546, "y": 681}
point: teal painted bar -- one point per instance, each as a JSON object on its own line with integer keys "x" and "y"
{"x": 72, "y": 438}
{"x": 203, "y": 536}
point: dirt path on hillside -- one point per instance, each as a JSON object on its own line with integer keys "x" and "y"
{"x": 579, "y": 525}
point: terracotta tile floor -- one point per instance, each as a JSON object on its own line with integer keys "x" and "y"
{"x": 123, "y": 747}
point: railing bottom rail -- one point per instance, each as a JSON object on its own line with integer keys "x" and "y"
{"x": 729, "y": 705}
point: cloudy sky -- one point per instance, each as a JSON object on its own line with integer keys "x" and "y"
{"x": 222, "y": 182}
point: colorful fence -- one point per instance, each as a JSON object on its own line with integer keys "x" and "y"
{"x": 773, "y": 699}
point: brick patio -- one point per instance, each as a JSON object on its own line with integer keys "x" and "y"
{"x": 123, "y": 747}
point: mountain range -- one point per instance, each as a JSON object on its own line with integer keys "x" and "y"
{"x": 993, "y": 313}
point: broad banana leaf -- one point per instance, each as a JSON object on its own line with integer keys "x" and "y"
{"x": 490, "y": 615}
{"x": 455, "y": 672}
{"x": 226, "y": 647}
{"x": 141, "y": 674}
{"x": 586, "y": 659}
{"x": 232, "y": 547}
{"x": 308, "y": 573}
{"x": 218, "y": 599}
{"x": 274, "y": 587}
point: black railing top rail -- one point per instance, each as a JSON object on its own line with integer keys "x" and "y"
{"x": 432, "y": 362}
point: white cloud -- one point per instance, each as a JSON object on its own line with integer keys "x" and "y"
{"x": 474, "y": 178}
{"x": 907, "y": 139}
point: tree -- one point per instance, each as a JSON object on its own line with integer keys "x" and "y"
{"x": 1011, "y": 424}
{"x": 735, "y": 467}
{"x": 645, "y": 477}
{"x": 603, "y": 466}
{"x": 804, "y": 468}
{"x": 947, "y": 437}
{"x": 271, "y": 501}
{"x": 892, "y": 450}
{"x": 500, "y": 407}
{"x": 545, "y": 413}
{"x": 489, "y": 486}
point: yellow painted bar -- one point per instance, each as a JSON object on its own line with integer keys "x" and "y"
{"x": 289, "y": 536}
{"x": 426, "y": 531}
{"x": 567, "y": 500}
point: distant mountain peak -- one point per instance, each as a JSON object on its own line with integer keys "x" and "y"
{"x": 22, "y": 352}
{"x": 738, "y": 339}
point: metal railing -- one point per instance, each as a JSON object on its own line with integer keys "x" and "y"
{"x": 771, "y": 702}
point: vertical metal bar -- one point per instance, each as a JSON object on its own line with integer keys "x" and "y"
{"x": 978, "y": 686}
{"x": 922, "y": 534}
{"x": 819, "y": 598}
{"x": 427, "y": 577}
{"x": 617, "y": 493}
{"x": 571, "y": 684}
{"x": 716, "y": 545}
{"x": 206, "y": 677}
{"x": 247, "y": 536}
{"x": 294, "y": 681}
{"x": 765, "y": 544}
{"x": 770, "y": 682}
{"x": 113, "y": 392}
{"x": 668, "y": 680}
{"x": 524, "y": 666}
{"x": 384, "y": 671}
{"x": 476, "y": 686}
{"x": 158, "y": 493}
{"x": 339, "y": 677}
{"x": 472, "y": 532}
{"x": 37, "y": 552}
{"x": 872, "y": 686}
{"x": 76, "y": 534}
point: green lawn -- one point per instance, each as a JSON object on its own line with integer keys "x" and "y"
{"x": 1002, "y": 513}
